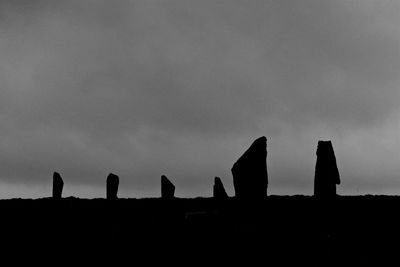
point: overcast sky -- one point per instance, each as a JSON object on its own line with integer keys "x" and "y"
{"x": 183, "y": 87}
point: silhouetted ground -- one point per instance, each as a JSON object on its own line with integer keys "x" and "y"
{"x": 278, "y": 231}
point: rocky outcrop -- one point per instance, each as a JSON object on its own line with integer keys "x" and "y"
{"x": 112, "y": 186}
{"x": 167, "y": 188}
{"x": 326, "y": 171}
{"x": 219, "y": 192}
{"x": 58, "y": 185}
{"x": 250, "y": 177}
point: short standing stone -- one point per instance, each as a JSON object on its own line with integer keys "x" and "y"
{"x": 250, "y": 177}
{"x": 218, "y": 189}
{"x": 58, "y": 185}
{"x": 112, "y": 186}
{"x": 326, "y": 171}
{"x": 167, "y": 188}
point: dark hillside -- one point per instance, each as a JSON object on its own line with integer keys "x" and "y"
{"x": 280, "y": 230}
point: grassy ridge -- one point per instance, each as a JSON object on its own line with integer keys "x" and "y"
{"x": 357, "y": 230}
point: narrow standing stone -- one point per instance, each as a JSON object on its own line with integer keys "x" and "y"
{"x": 326, "y": 171}
{"x": 112, "y": 186}
{"x": 58, "y": 185}
{"x": 167, "y": 188}
{"x": 219, "y": 190}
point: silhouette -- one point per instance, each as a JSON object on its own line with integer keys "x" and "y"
{"x": 58, "y": 185}
{"x": 326, "y": 171}
{"x": 219, "y": 190}
{"x": 167, "y": 188}
{"x": 292, "y": 230}
{"x": 112, "y": 186}
{"x": 250, "y": 177}
{"x": 284, "y": 231}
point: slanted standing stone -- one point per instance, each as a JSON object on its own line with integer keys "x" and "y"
{"x": 112, "y": 186}
{"x": 250, "y": 177}
{"x": 219, "y": 190}
{"x": 326, "y": 171}
{"x": 167, "y": 188}
{"x": 58, "y": 185}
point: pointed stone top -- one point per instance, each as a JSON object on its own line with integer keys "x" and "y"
{"x": 250, "y": 177}
{"x": 258, "y": 146}
{"x": 261, "y": 139}
{"x": 217, "y": 180}
{"x": 164, "y": 179}
{"x": 326, "y": 154}
{"x": 219, "y": 190}
{"x": 167, "y": 188}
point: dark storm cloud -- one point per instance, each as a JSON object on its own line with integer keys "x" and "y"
{"x": 144, "y": 88}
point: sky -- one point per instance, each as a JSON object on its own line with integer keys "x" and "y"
{"x": 183, "y": 87}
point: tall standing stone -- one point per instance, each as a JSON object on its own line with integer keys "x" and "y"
{"x": 250, "y": 177}
{"x": 219, "y": 190}
{"x": 167, "y": 188}
{"x": 112, "y": 186}
{"x": 326, "y": 171}
{"x": 58, "y": 185}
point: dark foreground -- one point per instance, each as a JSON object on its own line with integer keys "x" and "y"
{"x": 277, "y": 231}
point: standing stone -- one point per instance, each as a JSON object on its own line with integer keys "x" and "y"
{"x": 112, "y": 186}
{"x": 167, "y": 188}
{"x": 58, "y": 185}
{"x": 326, "y": 171}
{"x": 250, "y": 177}
{"x": 219, "y": 190}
